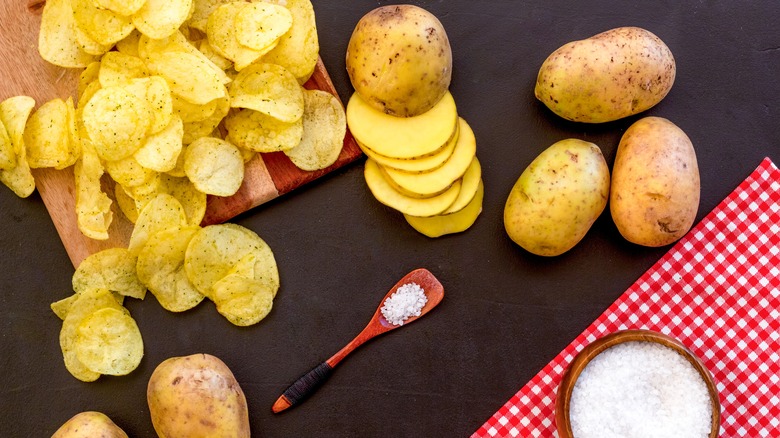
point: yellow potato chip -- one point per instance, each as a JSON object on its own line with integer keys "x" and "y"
{"x": 209, "y": 52}
{"x": 7, "y": 154}
{"x": 112, "y": 269}
{"x": 62, "y": 307}
{"x": 128, "y": 172}
{"x": 190, "y": 112}
{"x": 88, "y": 75}
{"x": 214, "y": 166}
{"x": 93, "y": 207}
{"x": 178, "y": 171}
{"x": 155, "y": 92}
{"x": 117, "y": 68}
{"x": 222, "y": 36}
{"x": 149, "y": 49}
{"x": 121, "y": 7}
{"x": 324, "y": 127}
{"x": 161, "y": 213}
{"x": 73, "y": 135}
{"x": 201, "y": 9}
{"x": 88, "y": 45}
{"x": 129, "y": 44}
{"x": 161, "y": 150}
{"x": 192, "y": 200}
{"x": 259, "y": 132}
{"x": 102, "y": 25}
{"x": 14, "y": 113}
{"x": 57, "y": 42}
{"x": 203, "y": 128}
{"x": 269, "y": 89}
{"x": 116, "y": 121}
{"x": 108, "y": 341}
{"x": 85, "y": 96}
{"x": 146, "y": 191}
{"x": 126, "y": 203}
{"x": 161, "y": 18}
{"x": 299, "y": 48}
{"x": 189, "y": 76}
{"x": 161, "y": 268}
{"x": 260, "y": 25}
{"x": 46, "y": 135}
{"x": 243, "y": 301}
{"x": 246, "y": 154}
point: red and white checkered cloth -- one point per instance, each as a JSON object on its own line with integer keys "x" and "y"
{"x": 717, "y": 291}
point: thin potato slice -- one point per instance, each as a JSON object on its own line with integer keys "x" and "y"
{"x": 468, "y": 188}
{"x": 214, "y": 166}
{"x": 189, "y": 76}
{"x": 103, "y": 26}
{"x": 269, "y": 89}
{"x": 258, "y": 132}
{"x": 299, "y": 48}
{"x": 14, "y": 113}
{"x": 222, "y": 35}
{"x": 116, "y": 121}
{"x": 46, "y": 135}
{"x": 108, "y": 341}
{"x": 451, "y": 223}
{"x": 161, "y": 18}
{"x": 161, "y": 213}
{"x": 57, "y": 42}
{"x": 243, "y": 301}
{"x": 93, "y": 207}
{"x": 161, "y": 150}
{"x": 117, "y": 68}
{"x": 416, "y": 165}
{"x": 260, "y": 25}
{"x": 112, "y": 269}
{"x": 324, "y": 127}
{"x": 161, "y": 268}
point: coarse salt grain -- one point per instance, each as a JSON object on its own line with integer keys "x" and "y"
{"x": 407, "y": 301}
{"x": 640, "y": 390}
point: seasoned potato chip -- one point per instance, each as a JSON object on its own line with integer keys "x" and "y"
{"x": 216, "y": 249}
{"x": 121, "y": 7}
{"x": 161, "y": 150}
{"x": 129, "y": 44}
{"x": 88, "y": 75}
{"x": 178, "y": 171}
{"x": 161, "y": 268}
{"x": 161, "y": 213}
{"x": 112, "y": 269}
{"x": 88, "y": 45}
{"x": 7, "y": 154}
{"x": 269, "y": 89}
{"x": 62, "y": 307}
{"x": 214, "y": 166}
{"x": 116, "y": 121}
{"x": 47, "y": 136}
{"x": 93, "y": 207}
{"x": 189, "y": 76}
{"x": 14, "y": 113}
{"x": 103, "y": 26}
{"x": 89, "y": 91}
{"x": 243, "y": 301}
{"x": 192, "y": 200}
{"x": 117, "y": 68}
{"x": 222, "y": 35}
{"x": 324, "y": 127}
{"x": 128, "y": 172}
{"x": 203, "y": 128}
{"x": 259, "y": 132}
{"x": 260, "y": 25}
{"x": 209, "y": 52}
{"x": 149, "y": 50}
{"x": 126, "y": 203}
{"x": 161, "y": 18}
{"x": 108, "y": 341}
{"x": 73, "y": 135}
{"x": 299, "y": 48}
{"x": 155, "y": 92}
{"x": 201, "y": 9}
{"x": 57, "y": 42}
{"x": 190, "y": 112}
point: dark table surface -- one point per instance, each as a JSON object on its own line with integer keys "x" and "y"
{"x": 505, "y": 314}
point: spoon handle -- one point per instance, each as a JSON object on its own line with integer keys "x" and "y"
{"x": 303, "y": 387}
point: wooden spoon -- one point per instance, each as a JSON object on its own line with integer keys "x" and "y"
{"x": 309, "y": 382}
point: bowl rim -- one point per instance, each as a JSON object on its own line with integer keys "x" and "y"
{"x": 581, "y": 360}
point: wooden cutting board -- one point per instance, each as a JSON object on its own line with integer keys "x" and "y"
{"x": 23, "y": 72}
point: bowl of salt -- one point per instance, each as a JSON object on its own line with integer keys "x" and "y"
{"x": 637, "y": 384}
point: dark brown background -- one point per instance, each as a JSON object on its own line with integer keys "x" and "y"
{"x": 506, "y": 313}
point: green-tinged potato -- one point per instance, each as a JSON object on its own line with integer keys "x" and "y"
{"x": 89, "y": 424}
{"x": 655, "y": 183}
{"x": 399, "y": 60}
{"x": 196, "y": 396}
{"x": 557, "y": 198}
{"x": 612, "y": 75}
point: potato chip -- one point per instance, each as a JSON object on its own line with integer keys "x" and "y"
{"x": 57, "y": 42}
{"x": 93, "y": 207}
{"x": 129, "y": 44}
{"x": 121, "y": 7}
{"x": 128, "y": 172}
{"x": 214, "y": 166}
{"x": 88, "y": 75}
{"x": 149, "y": 49}
{"x": 126, "y": 203}
{"x": 146, "y": 191}
{"x": 243, "y": 301}
{"x": 161, "y": 150}
{"x": 112, "y": 269}
{"x": 62, "y": 307}
{"x": 189, "y": 76}
{"x": 203, "y": 128}
{"x": 223, "y": 38}
{"x": 7, "y": 155}
{"x": 259, "y": 132}
{"x": 178, "y": 171}
{"x": 108, "y": 341}
{"x": 73, "y": 135}
{"x": 216, "y": 249}
{"x": 47, "y": 137}
{"x": 117, "y": 68}
{"x": 192, "y": 200}
{"x": 297, "y": 50}
{"x": 201, "y": 9}
{"x": 324, "y": 127}
{"x": 14, "y": 113}
{"x": 116, "y": 122}
{"x": 209, "y": 52}
{"x": 102, "y": 25}
{"x": 269, "y": 89}
{"x": 88, "y": 45}
{"x": 190, "y": 112}
{"x": 161, "y": 213}
{"x": 161, "y": 18}
{"x": 161, "y": 268}
{"x": 155, "y": 92}
{"x": 260, "y": 25}
{"x": 86, "y": 95}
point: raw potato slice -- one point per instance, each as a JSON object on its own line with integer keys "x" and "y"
{"x": 103, "y": 26}
{"x": 434, "y": 182}
{"x": 449, "y": 223}
{"x": 422, "y": 207}
{"x": 260, "y": 25}
{"x": 468, "y": 188}
{"x": 161, "y": 268}
{"x": 112, "y": 269}
{"x": 269, "y": 89}
{"x": 400, "y": 137}
{"x": 116, "y": 121}
{"x": 324, "y": 127}
{"x": 259, "y": 132}
{"x": 299, "y": 48}
{"x": 108, "y": 342}
{"x": 160, "y": 18}
{"x": 161, "y": 150}
{"x": 214, "y": 166}
{"x": 417, "y": 165}
{"x": 243, "y": 301}
{"x": 118, "y": 68}
{"x": 160, "y": 214}
{"x": 57, "y": 41}
{"x": 14, "y": 113}
{"x": 47, "y": 136}
{"x": 93, "y": 207}
{"x": 223, "y": 35}
{"x": 189, "y": 76}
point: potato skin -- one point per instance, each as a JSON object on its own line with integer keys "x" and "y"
{"x": 399, "y": 60}
{"x": 196, "y": 396}
{"x": 557, "y": 198}
{"x": 614, "y": 74}
{"x": 89, "y": 424}
{"x": 655, "y": 183}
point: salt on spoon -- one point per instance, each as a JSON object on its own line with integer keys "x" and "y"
{"x": 411, "y": 298}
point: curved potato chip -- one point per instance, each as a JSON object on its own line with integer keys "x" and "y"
{"x": 324, "y": 127}
{"x": 159, "y": 214}
{"x": 260, "y": 25}
{"x": 201, "y": 9}
{"x": 243, "y": 301}
{"x": 46, "y": 135}
{"x": 73, "y": 135}
{"x": 112, "y": 269}
{"x": 161, "y": 150}
{"x": 62, "y": 307}
{"x": 214, "y": 166}
{"x": 126, "y": 203}
{"x": 88, "y": 45}
{"x": 203, "y": 128}
{"x": 299, "y": 48}
{"x": 103, "y": 26}
{"x": 269, "y": 89}
{"x": 191, "y": 112}
{"x": 129, "y": 44}
{"x": 57, "y": 41}
{"x": 178, "y": 171}
{"x": 128, "y": 172}
{"x": 117, "y": 68}
{"x": 14, "y": 113}
{"x": 7, "y": 155}
{"x": 87, "y": 94}
{"x": 108, "y": 341}
{"x": 88, "y": 75}
{"x": 149, "y": 49}
{"x": 121, "y": 7}
{"x": 161, "y": 18}
{"x": 215, "y": 251}
{"x": 192, "y": 200}
{"x": 155, "y": 92}
{"x": 189, "y": 76}
{"x": 223, "y": 38}
{"x": 161, "y": 268}
{"x": 220, "y": 61}
{"x": 116, "y": 122}
{"x": 93, "y": 207}
{"x": 259, "y": 132}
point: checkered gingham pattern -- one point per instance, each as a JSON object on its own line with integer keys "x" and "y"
{"x": 717, "y": 291}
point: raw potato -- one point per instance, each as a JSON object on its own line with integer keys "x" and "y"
{"x": 450, "y": 223}
{"x": 557, "y": 198}
{"x": 399, "y": 60}
{"x": 196, "y": 396}
{"x": 89, "y": 424}
{"x": 606, "y": 77}
{"x": 417, "y": 165}
{"x": 655, "y": 183}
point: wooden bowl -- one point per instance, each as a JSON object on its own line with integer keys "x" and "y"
{"x": 563, "y": 396}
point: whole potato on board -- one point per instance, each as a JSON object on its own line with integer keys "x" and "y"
{"x": 606, "y": 77}
{"x": 399, "y": 60}
{"x": 557, "y": 198}
{"x": 655, "y": 183}
{"x": 196, "y": 396}
{"x": 89, "y": 424}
